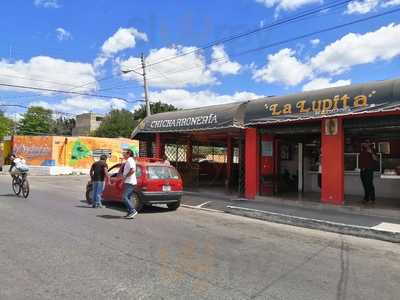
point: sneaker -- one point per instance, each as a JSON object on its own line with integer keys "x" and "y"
{"x": 131, "y": 215}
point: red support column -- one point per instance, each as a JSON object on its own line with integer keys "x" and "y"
{"x": 229, "y": 162}
{"x": 189, "y": 152}
{"x": 162, "y": 149}
{"x": 251, "y": 163}
{"x": 332, "y": 151}
{"x": 158, "y": 146}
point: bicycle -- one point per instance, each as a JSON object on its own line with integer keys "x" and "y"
{"x": 20, "y": 184}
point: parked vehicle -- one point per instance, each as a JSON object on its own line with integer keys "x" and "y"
{"x": 157, "y": 183}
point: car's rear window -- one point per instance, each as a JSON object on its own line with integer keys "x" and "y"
{"x": 161, "y": 172}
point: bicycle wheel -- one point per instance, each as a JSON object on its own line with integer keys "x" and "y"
{"x": 16, "y": 185}
{"x": 25, "y": 188}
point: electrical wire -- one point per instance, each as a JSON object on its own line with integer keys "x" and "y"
{"x": 277, "y": 23}
{"x": 360, "y": 20}
{"x": 61, "y": 91}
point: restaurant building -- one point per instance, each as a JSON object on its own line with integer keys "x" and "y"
{"x": 303, "y": 144}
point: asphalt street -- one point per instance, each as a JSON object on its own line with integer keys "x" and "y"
{"x": 53, "y": 246}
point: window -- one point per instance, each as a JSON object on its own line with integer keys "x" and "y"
{"x": 138, "y": 171}
{"x": 161, "y": 172}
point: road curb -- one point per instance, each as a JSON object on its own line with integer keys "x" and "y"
{"x": 360, "y": 231}
{"x": 202, "y": 208}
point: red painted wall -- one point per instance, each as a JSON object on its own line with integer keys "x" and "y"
{"x": 252, "y": 171}
{"x": 332, "y": 150}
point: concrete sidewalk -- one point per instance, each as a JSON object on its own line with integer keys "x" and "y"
{"x": 344, "y": 220}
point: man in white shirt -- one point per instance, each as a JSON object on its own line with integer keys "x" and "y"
{"x": 129, "y": 175}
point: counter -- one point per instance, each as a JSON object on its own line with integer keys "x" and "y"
{"x": 385, "y": 185}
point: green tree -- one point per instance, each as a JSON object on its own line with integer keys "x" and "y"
{"x": 155, "y": 108}
{"x": 6, "y": 125}
{"x": 117, "y": 123}
{"x": 63, "y": 126}
{"x": 36, "y": 121}
{"x": 121, "y": 123}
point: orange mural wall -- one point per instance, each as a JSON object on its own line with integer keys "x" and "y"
{"x": 75, "y": 152}
{"x": 36, "y": 150}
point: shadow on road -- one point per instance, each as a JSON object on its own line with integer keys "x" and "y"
{"x": 110, "y": 217}
{"x": 121, "y": 207}
{"x": 83, "y": 206}
{"x": 7, "y": 195}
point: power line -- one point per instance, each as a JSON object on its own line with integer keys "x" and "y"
{"x": 305, "y": 13}
{"x": 33, "y": 79}
{"x": 61, "y": 91}
{"x": 360, "y": 20}
{"x": 27, "y": 107}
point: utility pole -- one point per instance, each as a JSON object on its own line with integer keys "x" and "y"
{"x": 146, "y": 93}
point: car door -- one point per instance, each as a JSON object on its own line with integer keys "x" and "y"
{"x": 112, "y": 190}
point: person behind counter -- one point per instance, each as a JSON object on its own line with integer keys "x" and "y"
{"x": 367, "y": 163}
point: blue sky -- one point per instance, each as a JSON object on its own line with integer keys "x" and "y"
{"x": 73, "y": 45}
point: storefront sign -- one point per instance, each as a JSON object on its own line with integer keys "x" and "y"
{"x": 190, "y": 121}
{"x": 372, "y": 97}
{"x": 320, "y": 107}
{"x": 204, "y": 118}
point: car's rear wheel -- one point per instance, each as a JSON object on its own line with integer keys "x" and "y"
{"x": 89, "y": 195}
{"x": 174, "y": 205}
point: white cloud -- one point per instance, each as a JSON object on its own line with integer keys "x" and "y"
{"x": 283, "y": 67}
{"x": 184, "y": 99}
{"x": 82, "y": 104}
{"x": 355, "y": 49}
{"x": 389, "y": 3}
{"x": 47, "y": 3}
{"x": 315, "y": 42}
{"x": 184, "y": 70}
{"x": 63, "y": 34}
{"x": 47, "y": 72}
{"x": 287, "y": 5}
{"x": 221, "y": 62}
{"x": 361, "y": 6}
{"x": 321, "y": 83}
{"x": 122, "y": 39}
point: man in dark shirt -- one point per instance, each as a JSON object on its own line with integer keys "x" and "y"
{"x": 98, "y": 174}
{"x": 367, "y": 163}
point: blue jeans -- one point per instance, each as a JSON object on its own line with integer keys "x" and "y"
{"x": 127, "y": 197}
{"x": 98, "y": 187}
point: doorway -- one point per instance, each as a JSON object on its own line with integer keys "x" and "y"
{"x": 293, "y": 170}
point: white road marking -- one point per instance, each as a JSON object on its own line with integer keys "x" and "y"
{"x": 391, "y": 227}
{"x": 201, "y": 205}
{"x": 201, "y": 208}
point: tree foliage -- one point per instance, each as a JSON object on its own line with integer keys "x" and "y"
{"x": 155, "y": 108}
{"x": 6, "y": 125}
{"x": 121, "y": 123}
{"x": 63, "y": 126}
{"x": 117, "y": 123}
{"x": 36, "y": 121}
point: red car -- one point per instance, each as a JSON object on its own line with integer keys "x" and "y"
{"x": 157, "y": 183}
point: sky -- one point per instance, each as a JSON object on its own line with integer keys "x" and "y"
{"x": 83, "y": 47}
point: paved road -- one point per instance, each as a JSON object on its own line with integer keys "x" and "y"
{"x": 53, "y": 247}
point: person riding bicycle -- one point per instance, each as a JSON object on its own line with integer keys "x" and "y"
{"x": 18, "y": 166}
